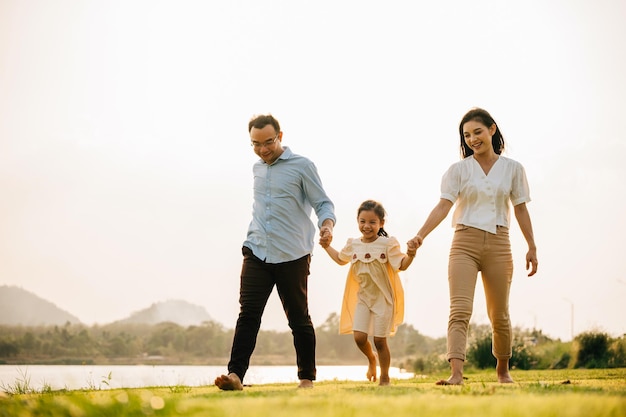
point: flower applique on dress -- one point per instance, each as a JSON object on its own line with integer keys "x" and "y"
{"x": 370, "y": 252}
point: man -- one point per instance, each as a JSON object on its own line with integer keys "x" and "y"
{"x": 277, "y": 251}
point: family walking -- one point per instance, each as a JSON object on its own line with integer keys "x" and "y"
{"x": 280, "y": 239}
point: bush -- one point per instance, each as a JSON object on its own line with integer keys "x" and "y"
{"x": 618, "y": 353}
{"x": 479, "y": 353}
{"x": 592, "y": 350}
{"x": 430, "y": 364}
{"x": 8, "y": 348}
{"x": 562, "y": 362}
{"x": 523, "y": 357}
{"x": 552, "y": 354}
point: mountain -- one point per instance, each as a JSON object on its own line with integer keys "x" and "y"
{"x": 19, "y": 307}
{"x": 175, "y": 311}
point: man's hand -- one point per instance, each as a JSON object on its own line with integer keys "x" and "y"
{"x": 326, "y": 235}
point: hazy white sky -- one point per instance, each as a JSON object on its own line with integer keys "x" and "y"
{"x": 125, "y": 165}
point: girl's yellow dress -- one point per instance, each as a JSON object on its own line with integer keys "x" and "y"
{"x": 372, "y": 279}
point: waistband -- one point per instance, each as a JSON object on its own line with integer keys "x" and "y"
{"x": 460, "y": 226}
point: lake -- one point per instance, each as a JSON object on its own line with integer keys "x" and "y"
{"x": 74, "y": 377}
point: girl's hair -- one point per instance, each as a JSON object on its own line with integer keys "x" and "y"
{"x": 378, "y": 209}
{"x": 481, "y": 116}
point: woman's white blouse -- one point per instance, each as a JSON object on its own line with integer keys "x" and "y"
{"x": 482, "y": 201}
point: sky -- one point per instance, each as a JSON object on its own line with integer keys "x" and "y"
{"x": 126, "y": 169}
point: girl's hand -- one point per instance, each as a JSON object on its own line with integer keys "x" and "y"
{"x": 326, "y": 237}
{"x": 411, "y": 248}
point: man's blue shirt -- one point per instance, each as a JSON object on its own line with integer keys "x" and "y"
{"x": 285, "y": 192}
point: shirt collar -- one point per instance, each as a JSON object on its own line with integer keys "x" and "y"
{"x": 285, "y": 155}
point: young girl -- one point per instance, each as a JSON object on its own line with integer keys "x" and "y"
{"x": 373, "y": 302}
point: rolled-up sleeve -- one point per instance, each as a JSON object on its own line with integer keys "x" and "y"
{"x": 317, "y": 197}
{"x": 520, "y": 191}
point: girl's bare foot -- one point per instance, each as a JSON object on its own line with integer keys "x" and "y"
{"x": 371, "y": 369}
{"x": 230, "y": 382}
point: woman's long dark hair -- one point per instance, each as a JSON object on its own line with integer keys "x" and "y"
{"x": 481, "y": 116}
{"x": 378, "y": 209}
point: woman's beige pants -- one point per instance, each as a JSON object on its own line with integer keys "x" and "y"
{"x": 475, "y": 250}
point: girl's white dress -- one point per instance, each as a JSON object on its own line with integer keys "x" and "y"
{"x": 373, "y": 283}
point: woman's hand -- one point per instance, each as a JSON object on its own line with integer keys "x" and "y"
{"x": 411, "y": 248}
{"x": 415, "y": 243}
{"x": 531, "y": 261}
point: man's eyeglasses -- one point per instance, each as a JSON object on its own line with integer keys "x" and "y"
{"x": 267, "y": 143}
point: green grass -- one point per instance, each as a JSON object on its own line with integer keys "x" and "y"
{"x": 568, "y": 393}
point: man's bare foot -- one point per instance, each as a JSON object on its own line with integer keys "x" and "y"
{"x": 305, "y": 383}
{"x": 384, "y": 381}
{"x": 230, "y": 382}
{"x": 371, "y": 368}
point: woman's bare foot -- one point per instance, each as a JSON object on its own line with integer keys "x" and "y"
{"x": 502, "y": 370}
{"x": 305, "y": 383}
{"x": 450, "y": 381}
{"x": 456, "y": 378}
{"x": 230, "y": 382}
{"x": 384, "y": 381}
{"x": 505, "y": 378}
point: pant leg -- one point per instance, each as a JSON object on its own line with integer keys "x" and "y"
{"x": 463, "y": 266}
{"x": 292, "y": 285}
{"x": 497, "y": 275}
{"x": 256, "y": 285}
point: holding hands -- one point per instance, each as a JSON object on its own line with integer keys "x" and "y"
{"x": 326, "y": 236}
{"x": 411, "y": 247}
{"x": 414, "y": 244}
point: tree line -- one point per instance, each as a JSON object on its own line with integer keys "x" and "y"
{"x": 209, "y": 344}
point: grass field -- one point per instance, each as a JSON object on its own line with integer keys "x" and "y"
{"x": 571, "y": 393}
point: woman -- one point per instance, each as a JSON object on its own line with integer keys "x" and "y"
{"x": 481, "y": 185}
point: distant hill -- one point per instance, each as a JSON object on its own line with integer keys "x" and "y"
{"x": 19, "y": 307}
{"x": 175, "y": 311}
